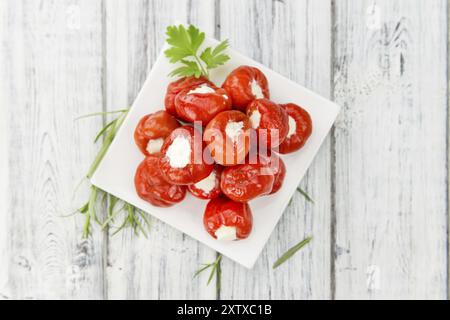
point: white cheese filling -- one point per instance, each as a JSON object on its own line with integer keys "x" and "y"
{"x": 226, "y": 233}
{"x": 256, "y": 90}
{"x": 233, "y": 130}
{"x": 202, "y": 89}
{"x": 154, "y": 145}
{"x": 179, "y": 152}
{"x": 292, "y": 127}
{"x": 255, "y": 119}
{"x": 207, "y": 184}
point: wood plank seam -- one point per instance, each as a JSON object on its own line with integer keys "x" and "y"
{"x": 332, "y": 159}
{"x": 448, "y": 150}
{"x": 104, "y": 118}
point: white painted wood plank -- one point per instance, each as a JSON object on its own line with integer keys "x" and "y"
{"x": 52, "y": 70}
{"x": 162, "y": 266}
{"x": 293, "y": 38}
{"x": 448, "y": 151}
{"x": 6, "y": 99}
{"x": 390, "y": 76}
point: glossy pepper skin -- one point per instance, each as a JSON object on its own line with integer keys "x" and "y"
{"x": 277, "y": 166}
{"x": 238, "y": 84}
{"x": 200, "y": 163}
{"x": 273, "y": 124}
{"x": 222, "y": 211}
{"x": 201, "y": 107}
{"x": 174, "y": 88}
{"x": 225, "y": 150}
{"x": 245, "y": 182}
{"x": 151, "y": 186}
{"x": 157, "y": 125}
{"x": 213, "y": 193}
{"x": 303, "y": 129}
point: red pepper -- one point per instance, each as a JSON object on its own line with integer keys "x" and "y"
{"x": 303, "y": 128}
{"x": 151, "y": 186}
{"x": 276, "y": 164}
{"x": 224, "y": 213}
{"x": 197, "y": 191}
{"x": 225, "y": 149}
{"x": 176, "y": 87}
{"x": 239, "y": 85}
{"x": 195, "y": 165}
{"x": 194, "y": 106}
{"x": 245, "y": 182}
{"x": 270, "y": 121}
{"x": 154, "y": 126}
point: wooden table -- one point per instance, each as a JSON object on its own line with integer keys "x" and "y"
{"x": 380, "y": 181}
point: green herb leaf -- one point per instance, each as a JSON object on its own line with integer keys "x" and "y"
{"x": 134, "y": 218}
{"x": 100, "y": 114}
{"x": 104, "y": 129}
{"x": 189, "y": 68}
{"x": 215, "y": 57}
{"x": 92, "y": 201}
{"x": 215, "y": 271}
{"x": 84, "y": 208}
{"x": 218, "y": 276}
{"x": 185, "y": 44}
{"x": 109, "y": 133}
{"x": 303, "y": 193}
{"x": 291, "y": 252}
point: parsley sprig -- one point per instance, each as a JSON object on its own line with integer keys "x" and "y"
{"x": 185, "y": 45}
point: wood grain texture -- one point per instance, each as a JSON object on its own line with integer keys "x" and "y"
{"x": 390, "y": 141}
{"x": 380, "y": 182}
{"x": 52, "y": 74}
{"x": 162, "y": 266}
{"x": 304, "y": 58}
{"x": 6, "y": 99}
{"x": 448, "y": 151}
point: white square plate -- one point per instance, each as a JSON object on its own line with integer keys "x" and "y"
{"x": 116, "y": 172}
